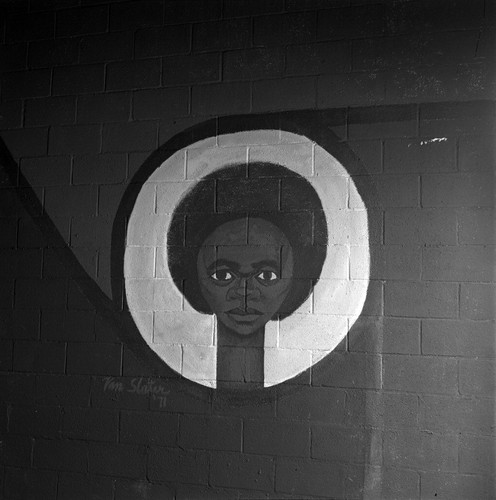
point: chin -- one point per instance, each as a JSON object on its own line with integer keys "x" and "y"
{"x": 244, "y": 330}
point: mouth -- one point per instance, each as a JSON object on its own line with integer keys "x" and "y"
{"x": 244, "y": 314}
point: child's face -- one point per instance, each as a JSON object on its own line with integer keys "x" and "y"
{"x": 245, "y": 270}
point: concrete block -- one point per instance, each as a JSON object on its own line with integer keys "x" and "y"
{"x": 356, "y": 370}
{"x": 477, "y": 454}
{"x": 283, "y": 94}
{"x": 222, "y": 35}
{"x": 46, "y": 357}
{"x": 344, "y": 445}
{"x": 98, "y": 108}
{"x": 76, "y": 139}
{"x": 369, "y": 153}
{"x": 167, "y": 464}
{"x": 93, "y": 424}
{"x": 477, "y": 377}
{"x": 451, "y": 190}
{"x": 314, "y": 404}
{"x": 350, "y": 88}
{"x": 14, "y": 55}
{"x": 285, "y": 29}
{"x": 11, "y": 114}
{"x": 382, "y": 122}
{"x": 300, "y": 476}
{"x": 476, "y": 153}
{"x": 47, "y": 171}
{"x": 420, "y": 374}
{"x": 253, "y": 64}
{"x": 392, "y": 190}
{"x": 222, "y": 98}
{"x": 430, "y": 155}
{"x": 108, "y": 47}
{"x": 131, "y": 75}
{"x": 148, "y": 428}
{"x": 30, "y": 483}
{"x": 50, "y": 111}
{"x": 380, "y": 409}
{"x": 99, "y": 169}
{"x": 119, "y": 460}
{"x": 456, "y": 118}
{"x": 210, "y": 433}
{"x": 387, "y": 335}
{"x": 318, "y": 58}
{"x": 460, "y": 263}
{"x": 153, "y": 42}
{"x": 71, "y": 485}
{"x": 68, "y": 325}
{"x": 24, "y": 143}
{"x": 408, "y": 51}
{"x": 34, "y": 293}
{"x": 132, "y": 136}
{"x": 421, "y": 450}
{"x": 149, "y": 104}
{"x": 191, "y": 69}
{"x": 237, "y": 8}
{"x": 77, "y": 200}
{"x": 81, "y": 21}
{"x": 476, "y": 226}
{"x": 477, "y": 301}
{"x": 391, "y": 262}
{"x": 70, "y": 80}
{"x": 62, "y": 455}
{"x": 131, "y": 15}
{"x": 454, "y": 485}
{"x": 32, "y": 26}
{"x": 420, "y": 226}
{"x": 50, "y": 53}
{"x": 175, "y": 12}
{"x": 86, "y": 358}
{"x": 421, "y": 299}
{"x": 237, "y": 470}
{"x": 351, "y": 22}
{"x": 62, "y": 390}
{"x": 456, "y": 414}
{"x": 128, "y": 489}
{"x": 276, "y": 438}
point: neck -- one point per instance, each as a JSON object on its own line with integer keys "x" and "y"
{"x": 240, "y": 358}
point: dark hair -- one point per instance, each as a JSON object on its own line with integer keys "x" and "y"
{"x": 263, "y": 190}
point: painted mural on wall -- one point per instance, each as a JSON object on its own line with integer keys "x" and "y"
{"x": 236, "y": 264}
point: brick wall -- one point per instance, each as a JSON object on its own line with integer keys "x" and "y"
{"x": 404, "y": 407}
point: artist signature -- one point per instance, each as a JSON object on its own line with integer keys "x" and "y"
{"x": 140, "y": 386}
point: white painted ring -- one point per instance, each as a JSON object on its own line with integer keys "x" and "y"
{"x": 184, "y": 338}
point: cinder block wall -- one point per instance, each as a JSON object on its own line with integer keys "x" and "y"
{"x": 405, "y": 407}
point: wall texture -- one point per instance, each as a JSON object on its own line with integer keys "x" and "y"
{"x": 404, "y": 407}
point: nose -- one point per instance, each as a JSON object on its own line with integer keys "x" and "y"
{"x": 244, "y": 288}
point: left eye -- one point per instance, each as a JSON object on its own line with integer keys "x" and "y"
{"x": 221, "y": 275}
{"x": 267, "y": 276}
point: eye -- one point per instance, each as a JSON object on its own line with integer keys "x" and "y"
{"x": 222, "y": 275}
{"x": 267, "y": 277}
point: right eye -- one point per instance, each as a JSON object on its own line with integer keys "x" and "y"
{"x": 222, "y": 275}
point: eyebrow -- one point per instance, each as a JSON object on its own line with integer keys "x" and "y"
{"x": 234, "y": 265}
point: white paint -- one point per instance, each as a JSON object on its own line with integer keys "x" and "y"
{"x": 186, "y": 339}
{"x": 436, "y": 139}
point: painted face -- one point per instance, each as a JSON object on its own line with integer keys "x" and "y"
{"x": 245, "y": 270}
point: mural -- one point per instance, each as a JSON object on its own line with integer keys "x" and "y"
{"x": 236, "y": 264}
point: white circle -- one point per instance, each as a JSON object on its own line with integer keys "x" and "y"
{"x": 186, "y": 339}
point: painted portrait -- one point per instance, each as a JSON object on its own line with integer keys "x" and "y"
{"x": 237, "y": 259}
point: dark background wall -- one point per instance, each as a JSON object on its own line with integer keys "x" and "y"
{"x": 404, "y": 408}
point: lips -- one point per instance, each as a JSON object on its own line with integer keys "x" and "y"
{"x": 244, "y": 312}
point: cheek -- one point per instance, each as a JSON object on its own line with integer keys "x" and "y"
{"x": 276, "y": 292}
{"x": 213, "y": 294}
